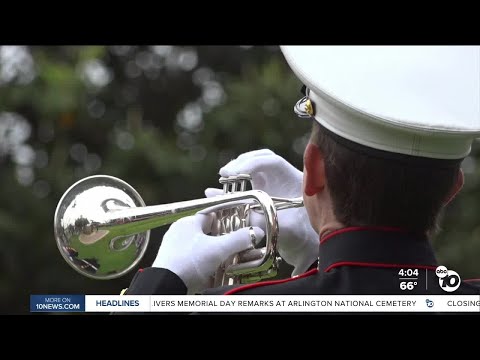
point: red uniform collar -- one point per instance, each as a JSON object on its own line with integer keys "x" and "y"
{"x": 375, "y": 247}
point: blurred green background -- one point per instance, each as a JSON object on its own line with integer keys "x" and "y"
{"x": 162, "y": 118}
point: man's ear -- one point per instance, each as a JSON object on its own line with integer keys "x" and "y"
{"x": 314, "y": 177}
{"x": 456, "y": 187}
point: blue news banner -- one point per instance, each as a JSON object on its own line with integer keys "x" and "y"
{"x": 54, "y": 303}
{"x": 259, "y": 303}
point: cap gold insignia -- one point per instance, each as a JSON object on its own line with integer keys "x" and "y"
{"x": 309, "y": 107}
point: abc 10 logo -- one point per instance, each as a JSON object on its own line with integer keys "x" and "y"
{"x": 448, "y": 280}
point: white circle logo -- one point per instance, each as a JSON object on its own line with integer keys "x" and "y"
{"x": 448, "y": 280}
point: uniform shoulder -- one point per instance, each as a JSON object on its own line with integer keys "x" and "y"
{"x": 473, "y": 283}
{"x": 293, "y": 285}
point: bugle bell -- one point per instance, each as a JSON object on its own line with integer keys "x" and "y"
{"x": 102, "y": 227}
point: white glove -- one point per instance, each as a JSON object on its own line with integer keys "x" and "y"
{"x": 298, "y": 243}
{"x": 194, "y": 256}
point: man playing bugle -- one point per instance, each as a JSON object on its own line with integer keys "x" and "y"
{"x": 390, "y": 128}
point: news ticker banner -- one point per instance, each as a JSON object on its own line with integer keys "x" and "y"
{"x": 255, "y": 303}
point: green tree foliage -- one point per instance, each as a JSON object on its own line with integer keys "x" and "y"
{"x": 162, "y": 118}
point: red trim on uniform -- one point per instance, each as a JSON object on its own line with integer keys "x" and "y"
{"x": 272, "y": 282}
{"x": 467, "y": 280}
{"x": 361, "y": 228}
{"x": 364, "y": 264}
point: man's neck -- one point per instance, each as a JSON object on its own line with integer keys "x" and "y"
{"x": 328, "y": 227}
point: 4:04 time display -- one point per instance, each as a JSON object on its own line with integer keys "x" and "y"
{"x": 408, "y": 272}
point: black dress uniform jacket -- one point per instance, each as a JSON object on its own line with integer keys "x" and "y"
{"x": 352, "y": 261}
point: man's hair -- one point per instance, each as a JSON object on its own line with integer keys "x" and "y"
{"x": 395, "y": 191}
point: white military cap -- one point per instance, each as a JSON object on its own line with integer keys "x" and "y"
{"x": 422, "y": 101}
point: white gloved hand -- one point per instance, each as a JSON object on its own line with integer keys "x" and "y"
{"x": 194, "y": 256}
{"x": 298, "y": 243}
